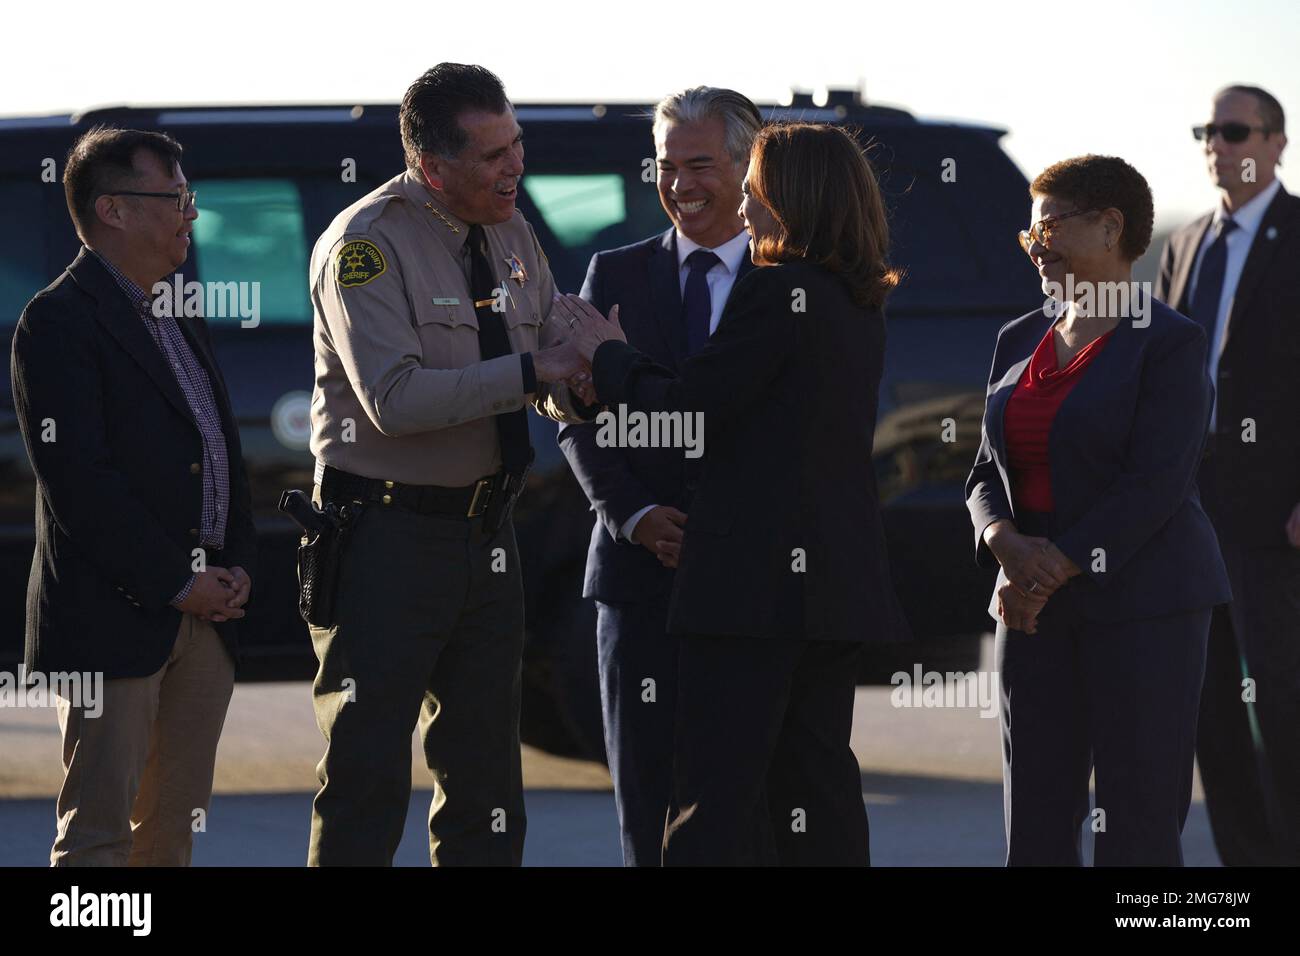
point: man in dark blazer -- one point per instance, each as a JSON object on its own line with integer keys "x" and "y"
{"x": 1236, "y": 271}
{"x": 671, "y": 290}
{"x": 144, "y": 534}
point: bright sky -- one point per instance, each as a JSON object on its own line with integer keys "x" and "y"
{"x": 1127, "y": 78}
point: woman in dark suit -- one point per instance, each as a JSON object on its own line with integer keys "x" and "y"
{"x": 1084, "y": 493}
{"x": 782, "y": 575}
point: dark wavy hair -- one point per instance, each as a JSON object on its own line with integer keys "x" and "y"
{"x": 820, "y": 187}
{"x": 1104, "y": 182}
{"x": 430, "y": 113}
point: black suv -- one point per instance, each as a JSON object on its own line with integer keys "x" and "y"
{"x": 271, "y": 178}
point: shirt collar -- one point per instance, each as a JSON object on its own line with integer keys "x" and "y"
{"x": 1248, "y": 217}
{"x": 140, "y": 300}
{"x": 732, "y": 252}
{"x": 437, "y": 214}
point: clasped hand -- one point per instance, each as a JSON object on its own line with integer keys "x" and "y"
{"x": 218, "y": 594}
{"x": 1035, "y": 568}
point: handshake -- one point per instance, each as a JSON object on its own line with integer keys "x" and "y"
{"x": 569, "y": 361}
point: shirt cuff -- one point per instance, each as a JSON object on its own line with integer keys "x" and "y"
{"x": 184, "y": 592}
{"x": 629, "y": 525}
{"x": 530, "y": 373}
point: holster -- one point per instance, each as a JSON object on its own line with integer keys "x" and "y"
{"x": 320, "y": 552}
{"x": 501, "y": 503}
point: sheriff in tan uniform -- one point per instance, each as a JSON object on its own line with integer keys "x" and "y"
{"x": 401, "y": 392}
{"x": 409, "y": 417}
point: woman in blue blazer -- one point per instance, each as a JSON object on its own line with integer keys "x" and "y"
{"x": 1083, "y": 491}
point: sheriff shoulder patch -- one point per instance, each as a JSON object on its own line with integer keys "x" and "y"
{"x": 359, "y": 261}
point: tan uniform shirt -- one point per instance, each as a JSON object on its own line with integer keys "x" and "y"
{"x": 401, "y": 390}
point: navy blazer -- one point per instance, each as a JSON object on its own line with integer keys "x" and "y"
{"x": 643, "y": 279}
{"x": 118, "y": 501}
{"x": 1123, "y": 451}
{"x": 784, "y": 538}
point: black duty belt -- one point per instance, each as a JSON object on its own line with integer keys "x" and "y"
{"x": 469, "y": 501}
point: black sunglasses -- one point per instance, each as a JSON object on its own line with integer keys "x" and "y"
{"x": 183, "y": 199}
{"x": 1231, "y": 132}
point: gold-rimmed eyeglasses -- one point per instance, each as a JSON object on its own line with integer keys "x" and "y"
{"x": 1041, "y": 231}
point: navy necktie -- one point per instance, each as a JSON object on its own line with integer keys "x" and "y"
{"x": 1209, "y": 282}
{"x": 494, "y": 341}
{"x": 697, "y": 305}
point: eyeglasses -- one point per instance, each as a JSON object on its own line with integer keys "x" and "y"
{"x": 1041, "y": 231}
{"x": 1231, "y": 132}
{"x": 183, "y": 199}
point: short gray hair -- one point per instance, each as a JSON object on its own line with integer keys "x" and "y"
{"x": 740, "y": 117}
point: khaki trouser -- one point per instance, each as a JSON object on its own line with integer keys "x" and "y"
{"x": 135, "y": 775}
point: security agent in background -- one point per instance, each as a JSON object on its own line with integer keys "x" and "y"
{"x": 432, "y": 332}
{"x": 1236, "y": 271}
{"x": 671, "y": 290}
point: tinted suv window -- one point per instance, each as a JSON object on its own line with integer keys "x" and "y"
{"x": 577, "y": 207}
{"x": 585, "y": 190}
{"x": 22, "y": 267}
{"x": 929, "y": 237}
{"x": 251, "y": 230}
{"x": 953, "y": 235}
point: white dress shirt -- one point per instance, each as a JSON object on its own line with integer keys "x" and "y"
{"x": 720, "y": 279}
{"x": 1239, "y": 241}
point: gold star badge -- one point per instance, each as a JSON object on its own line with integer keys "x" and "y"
{"x": 517, "y": 270}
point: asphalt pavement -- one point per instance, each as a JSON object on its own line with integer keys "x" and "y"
{"x": 931, "y": 779}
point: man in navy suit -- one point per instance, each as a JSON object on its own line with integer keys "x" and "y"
{"x": 1236, "y": 271}
{"x": 671, "y": 290}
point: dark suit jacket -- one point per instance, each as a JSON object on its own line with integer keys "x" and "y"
{"x": 643, "y": 279}
{"x": 789, "y": 404}
{"x": 1259, "y": 371}
{"x": 1123, "y": 449}
{"x": 117, "y": 505}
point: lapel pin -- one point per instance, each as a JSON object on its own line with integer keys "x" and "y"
{"x": 1270, "y": 232}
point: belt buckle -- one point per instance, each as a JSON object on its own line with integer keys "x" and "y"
{"x": 482, "y": 492}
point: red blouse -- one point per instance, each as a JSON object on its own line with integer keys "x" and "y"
{"x": 1028, "y": 419}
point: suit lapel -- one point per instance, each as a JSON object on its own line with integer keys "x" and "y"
{"x": 666, "y": 294}
{"x": 117, "y": 316}
{"x": 998, "y": 408}
{"x": 746, "y": 267}
{"x": 997, "y": 401}
{"x": 1277, "y": 219}
{"x": 1185, "y": 259}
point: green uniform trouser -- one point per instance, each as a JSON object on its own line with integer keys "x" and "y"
{"x": 429, "y": 627}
